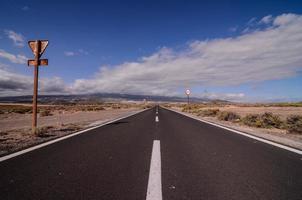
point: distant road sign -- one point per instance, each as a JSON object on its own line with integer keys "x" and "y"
{"x": 188, "y": 92}
{"x": 33, "y": 45}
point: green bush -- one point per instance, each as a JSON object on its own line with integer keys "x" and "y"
{"x": 294, "y": 124}
{"x": 228, "y": 116}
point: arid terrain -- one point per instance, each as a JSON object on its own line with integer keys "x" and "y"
{"x": 277, "y": 122}
{"x": 54, "y": 121}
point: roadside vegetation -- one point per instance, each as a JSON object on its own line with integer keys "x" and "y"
{"x": 267, "y": 120}
{"x": 48, "y": 110}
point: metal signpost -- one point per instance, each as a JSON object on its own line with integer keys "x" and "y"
{"x": 188, "y": 92}
{"x": 38, "y": 47}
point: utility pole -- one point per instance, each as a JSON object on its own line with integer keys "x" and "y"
{"x": 188, "y": 92}
{"x": 38, "y": 47}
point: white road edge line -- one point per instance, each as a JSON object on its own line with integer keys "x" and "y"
{"x": 9, "y": 156}
{"x": 154, "y": 191}
{"x": 156, "y": 119}
{"x": 244, "y": 134}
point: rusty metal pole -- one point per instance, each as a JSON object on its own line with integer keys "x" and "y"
{"x": 35, "y": 92}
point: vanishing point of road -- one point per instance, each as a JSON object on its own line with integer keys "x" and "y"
{"x": 155, "y": 154}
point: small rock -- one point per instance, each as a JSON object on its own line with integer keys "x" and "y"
{"x": 172, "y": 187}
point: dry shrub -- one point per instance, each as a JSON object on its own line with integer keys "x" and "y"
{"x": 252, "y": 120}
{"x": 15, "y": 109}
{"x": 92, "y": 108}
{"x": 192, "y": 108}
{"x": 208, "y": 112}
{"x": 228, "y": 116}
{"x": 271, "y": 121}
{"x": 71, "y": 127}
{"x": 42, "y": 131}
{"x": 146, "y": 106}
{"x": 115, "y": 106}
{"x": 294, "y": 124}
{"x": 266, "y": 120}
{"x": 45, "y": 113}
{"x": 20, "y": 109}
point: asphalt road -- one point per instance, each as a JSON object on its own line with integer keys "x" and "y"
{"x": 190, "y": 159}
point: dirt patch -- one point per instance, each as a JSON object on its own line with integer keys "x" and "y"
{"x": 15, "y": 128}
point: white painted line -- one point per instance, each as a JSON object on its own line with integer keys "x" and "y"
{"x": 61, "y": 138}
{"x": 156, "y": 119}
{"x": 245, "y": 134}
{"x": 154, "y": 191}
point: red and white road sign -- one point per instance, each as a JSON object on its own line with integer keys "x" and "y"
{"x": 34, "y": 45}
{"x": 188, "y": 92}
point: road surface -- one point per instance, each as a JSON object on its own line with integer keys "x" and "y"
{"x": 156, "y": 154}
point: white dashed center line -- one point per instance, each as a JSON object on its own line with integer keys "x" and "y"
{"x": 154, "y": 191}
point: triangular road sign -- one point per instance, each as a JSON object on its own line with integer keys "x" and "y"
{"x": 44, "y": 44}
{"x": 34, "y": 44}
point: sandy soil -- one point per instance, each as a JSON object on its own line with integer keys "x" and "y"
{"x": 15, "y": 129}
{"x": 13, "y": 121}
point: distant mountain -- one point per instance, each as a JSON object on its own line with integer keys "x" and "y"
{"x": 55, "y": 99}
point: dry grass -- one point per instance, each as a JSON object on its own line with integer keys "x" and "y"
{"x": 294, "y": 124}
{"x": 47, "y": 110}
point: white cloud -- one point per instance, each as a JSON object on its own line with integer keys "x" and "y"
{"x": 286, "y": 19}
{"x": 25, "y": 8}
{"x": 252, "y": 21}
{"x": 53, "y": 85}
{"x": 76, "y": 53}
{"x": 266, "y": 20}
{"x": 267, "y": 54}
{"x": 262, "y": 54}
{"x": 225, "y": 96}
{"x": 17, "y": 38}
{"x": 233, "y": 29}
{"x": 12, "y": 83}
{"x": 82, "y": 51}
{"x": 19, "y": 59}
{"x": 69, "y": 53}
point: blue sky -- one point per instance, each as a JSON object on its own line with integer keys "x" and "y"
{"x": 144, "y": 47}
